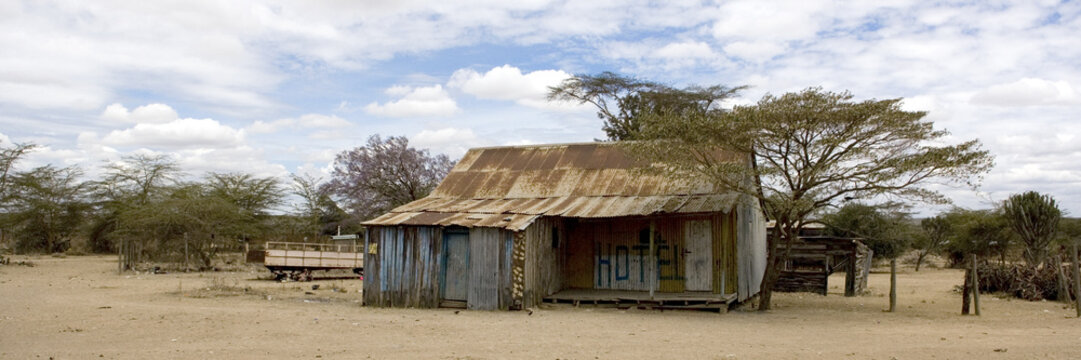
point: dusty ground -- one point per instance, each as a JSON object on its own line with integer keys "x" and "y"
{"x": 79, "y": 308}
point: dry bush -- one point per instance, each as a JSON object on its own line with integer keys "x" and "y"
{"x": 1021, "y": 281}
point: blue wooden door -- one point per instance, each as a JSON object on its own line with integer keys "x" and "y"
{"x": 455, "y": 266}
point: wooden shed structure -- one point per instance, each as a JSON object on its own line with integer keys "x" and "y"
{"x": 511, "y": 227}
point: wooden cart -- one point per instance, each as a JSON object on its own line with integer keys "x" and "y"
{"x": 297, "y": 261}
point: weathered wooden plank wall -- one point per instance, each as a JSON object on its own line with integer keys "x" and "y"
{"x": 614, "y": 254}
{"x": 402, "y": 267}
{"x": 579, "y": 254}
{"x": 621, "y": 259}
{"x": 542, "y": 262}
{"x": 724, "y": 253}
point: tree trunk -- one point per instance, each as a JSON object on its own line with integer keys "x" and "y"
{"x": 765, "y": 294}
{"x": 893, "y": 284}
{"x": 773, "y": 264}
{"x": 919, "y": 259}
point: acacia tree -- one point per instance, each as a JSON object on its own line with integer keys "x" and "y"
{"x": 807, "y": 151}
{"x": 1035, "y": 218}
{"x": 384, "y": 174}
{"x": 134, "y": 181}
{"x": 319, "y": 214}
{"x": 935, "y": 232}
{"x": 46, "y": 206}
{"x": 8, "y": 157}
{"x": 622, "y": 101}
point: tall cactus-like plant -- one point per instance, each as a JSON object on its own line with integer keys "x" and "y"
{"x": 1035, "y": 218}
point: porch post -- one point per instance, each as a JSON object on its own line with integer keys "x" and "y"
{"x": 652, "y": 257}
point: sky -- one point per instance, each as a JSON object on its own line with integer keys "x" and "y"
{"x": 273, "y": 88}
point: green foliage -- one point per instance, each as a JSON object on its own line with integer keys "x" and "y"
{"x": 45, "y": 208}
{"x": 1069, "y": 231}
{"x": 981, "y": 232}
{"x": 8, "y": 158}
{"x": 933, "y": 236}
{"x": 253, "y": 196}
{"x": 808, "y": 151}
{"x": 1035, "y": 218}
{"x": 887, "y": 232}
{"x": 127, "y": 185}
{"x": 320, "y": 214}
{"x": 633, "y": 98}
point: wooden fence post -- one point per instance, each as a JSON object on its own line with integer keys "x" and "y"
{"x": 975, "y": 287}
{"x": 893, "y": 284}
{"x": 1076, "y": 278}
{"x": 966, "y": 291}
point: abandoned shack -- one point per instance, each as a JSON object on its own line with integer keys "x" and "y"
{"x": 511, "y": 227}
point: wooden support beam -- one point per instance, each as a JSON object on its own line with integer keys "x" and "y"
{"x": 975, "y": 287}
{"x": 850, "y": 274}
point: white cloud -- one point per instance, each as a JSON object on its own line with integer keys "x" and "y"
{"x": 508, "y": 83}
{"x": 686, "y": 50}
{"x": 1028, "y": 92}
{"x": 770, "y": 20}
{"x": 451, "y": 141}
{"x": 180, "y": 133}
{"x": 269, "y": 127}
{"x": 757, "y": 51}
{"x": 304, "y": 122}
{"x": 147, "y": 114}
{"x": 416, "y": 102}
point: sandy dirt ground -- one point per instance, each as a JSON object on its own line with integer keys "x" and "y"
{"x": 79, "y": 308}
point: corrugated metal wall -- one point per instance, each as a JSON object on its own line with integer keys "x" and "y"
{"x": 725, "y": 269}
{"x": 402, "y": 267}
{"x": 542, "y": 263}
{"x": 485, "y": 245}
{"x": 751, "y": 243}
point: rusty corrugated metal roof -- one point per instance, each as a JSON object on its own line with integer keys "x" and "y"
{"x": 509, "y": 187}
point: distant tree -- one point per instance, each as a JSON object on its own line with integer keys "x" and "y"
{"x": 188, "y": 217}
{"x": 1035, "y": 218}
{"x": 808, "y": 151}
{"x": 253, "y": 195}
{"x": 8, "y": 157}
{"x": 981, "y": 232}
{"x": 935, "y": 233}
{"x": 887, "y": 231}
{"x": 321, "y": 214}
{"x": 46, "y": 207}
{"x": 126, "y": 185}
{"x": 307, "y": 188}
{"x": 1069, "y": 231}
{"x": 384, "y": 174}
{"x": 621, "y": 101}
